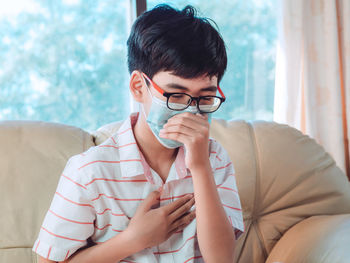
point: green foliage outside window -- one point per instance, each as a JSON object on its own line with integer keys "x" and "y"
{"x": 65, "y": 61}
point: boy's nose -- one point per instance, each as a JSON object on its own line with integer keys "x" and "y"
{"x": 193, "y": 103}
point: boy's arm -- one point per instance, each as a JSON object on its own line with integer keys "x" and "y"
{"x": 113, "y": 250}
{"x": 216, "y": 236}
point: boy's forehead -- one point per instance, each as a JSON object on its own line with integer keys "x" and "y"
{"x": 168, "y": 78}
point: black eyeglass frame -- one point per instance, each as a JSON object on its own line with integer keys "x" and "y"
{"x": 197, "y": 99}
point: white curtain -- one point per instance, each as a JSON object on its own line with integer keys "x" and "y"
{"x": 312, "y": 91}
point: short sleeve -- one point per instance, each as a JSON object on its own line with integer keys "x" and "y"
{"x": 225, "y": 178}
{"x": 69, "y": 222}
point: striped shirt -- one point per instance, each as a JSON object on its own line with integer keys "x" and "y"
{"x": 100, "y": 190}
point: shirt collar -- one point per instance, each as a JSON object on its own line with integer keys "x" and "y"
{"x": 133, "y": 162}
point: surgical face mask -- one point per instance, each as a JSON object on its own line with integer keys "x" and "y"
{"x": 159, "y": 114}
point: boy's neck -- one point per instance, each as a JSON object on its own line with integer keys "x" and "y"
{"x": 158, "y": 157}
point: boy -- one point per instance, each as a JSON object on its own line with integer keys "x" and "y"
{"x": 106, "y": 207}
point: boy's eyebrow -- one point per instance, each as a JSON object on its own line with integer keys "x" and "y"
{"x": 177, "y": 86}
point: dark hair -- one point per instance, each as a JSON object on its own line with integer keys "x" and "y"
{"x": 167, "y": 39}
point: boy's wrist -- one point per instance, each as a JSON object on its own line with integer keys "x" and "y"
{"x": 131, "y": 238}
{"x": 204, "y": 167}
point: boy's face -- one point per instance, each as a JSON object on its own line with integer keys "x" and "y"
{"x": 200, "y": 86}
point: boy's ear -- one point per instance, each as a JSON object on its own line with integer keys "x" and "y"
{"x": 136, "y": 86}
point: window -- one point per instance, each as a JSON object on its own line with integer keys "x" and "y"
{"x": 65, "y": 61}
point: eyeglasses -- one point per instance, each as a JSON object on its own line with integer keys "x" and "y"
{"x": 180, "y": 101}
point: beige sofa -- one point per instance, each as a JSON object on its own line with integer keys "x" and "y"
{"x": 296, "y": 201}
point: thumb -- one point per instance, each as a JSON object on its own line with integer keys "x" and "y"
{"x": 146, "y": 205}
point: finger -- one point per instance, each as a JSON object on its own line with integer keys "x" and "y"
{"x": 176, "y": 136}
{"x": 177, "y": 128}
{"x": 201, "y": 125}
{"x": 187, "y": 121}
{"x": 183, "y": 222}
{"x": 176, "y": 204}
{"x": 188, "y": 117}
{"x": 181, "y": 211}
{"x": 151, "y": 200}
{"x": 178, "y": 229}
{"x": 203, "y": 116}
{"x": 183, "y": 129}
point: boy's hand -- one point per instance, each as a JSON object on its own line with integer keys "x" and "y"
{"x": 193, "y": 131}
{"x": 150, "y": 227}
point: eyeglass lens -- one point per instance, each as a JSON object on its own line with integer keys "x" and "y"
{"x": 182, "y": 101}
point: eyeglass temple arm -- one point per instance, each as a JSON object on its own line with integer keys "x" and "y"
{"x": 153, "y": 84}
{"x": 221, "y": 93}
{"x": 162, "y": 91}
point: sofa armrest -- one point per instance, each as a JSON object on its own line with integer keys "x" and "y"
{"x": 318, "y": 239}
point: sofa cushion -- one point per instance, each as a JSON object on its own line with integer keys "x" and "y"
{"x": 318, "y": 239}
{"x": 283, "y": 177}
{"x": 32, "y": 157}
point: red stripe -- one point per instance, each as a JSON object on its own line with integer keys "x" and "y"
{"x": 224, "y": 166}
{"x": 135, "y": 199}
{"x": 103, "y": 161}
{"x": 74, "y": 181}
{"x": 73, "y": 201}
{"x": 108, "y": 209}
{"x": 117, "y": 147}
{"x": 192, "y": 258}
{"x": 115, "y": 198}
{"x": 36, "y": 248}
{"x": 121, "y": 215}
{"x": 69, "y": 220}
{"x": 115, "y": 180}
{"x": 113, "y": 140}
{"x": 177, "y": 249}
{"x": 101, "y": 213}
{"x": 222, "y": 187}
{"x": 67, "y": 255}
{"x": 48, "y": 254}
{"x": 68, "y": 238}
{"x": 173, "y": 197}
{"x": 216, "y": 156}
{"x": 235, "y": 208}
{"x": 117, "y": 230}
{"x": 120, "y": 133}
{"x": 108, "y": 225}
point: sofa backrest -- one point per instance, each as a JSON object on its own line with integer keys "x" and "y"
{"x": 32, "y": 157}
{"x": 282, "y": 176}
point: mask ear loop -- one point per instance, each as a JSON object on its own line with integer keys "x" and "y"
{"x": 149, "y": 92}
